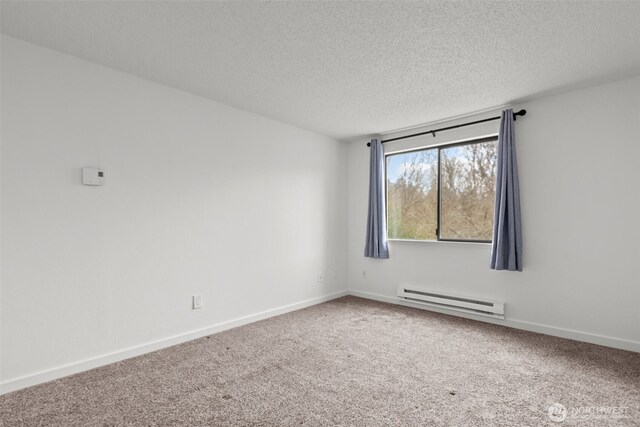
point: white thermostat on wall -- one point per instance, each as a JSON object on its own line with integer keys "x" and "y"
{"x": 92, "y": 176}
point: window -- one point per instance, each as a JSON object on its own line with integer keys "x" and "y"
{"x": 442, "y": 193}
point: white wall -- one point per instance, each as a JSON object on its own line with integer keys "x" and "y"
{"x": 200, "y": 198}
{"x": 579, "y": 157}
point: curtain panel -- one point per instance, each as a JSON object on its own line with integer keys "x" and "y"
{"x": 376, "y": 245}
{"x": 506, "y": 250}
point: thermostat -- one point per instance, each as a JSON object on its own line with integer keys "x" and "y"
{"x": 92, "y": 176}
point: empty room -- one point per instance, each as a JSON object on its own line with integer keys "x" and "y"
{"x": 319, "y": 213}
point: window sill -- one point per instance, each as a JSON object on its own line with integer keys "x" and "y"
{"x": 438, "y": 242}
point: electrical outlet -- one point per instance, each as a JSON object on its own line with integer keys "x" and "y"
{"x": 197, "y": 302}
{"x": 364, "y": 274}
{"x": 320, "y": 277}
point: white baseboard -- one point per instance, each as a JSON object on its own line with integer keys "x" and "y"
{"x": 571, "y": 334}
{"x": 94, "y": 362}
{"x": 84, "y": 365}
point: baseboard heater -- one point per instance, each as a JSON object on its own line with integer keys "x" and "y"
{"x": 451, "y": 302}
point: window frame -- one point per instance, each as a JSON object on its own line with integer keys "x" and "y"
{"x": 439, "y": 148}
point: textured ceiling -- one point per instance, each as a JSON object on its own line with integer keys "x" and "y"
{"x": 346, "y": 69}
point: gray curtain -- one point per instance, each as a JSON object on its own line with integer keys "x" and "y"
{"x": 506, "y": 251}
{"x": 376, "y": 246}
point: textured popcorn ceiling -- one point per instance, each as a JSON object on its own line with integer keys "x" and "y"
{"x": 346, "y": 69}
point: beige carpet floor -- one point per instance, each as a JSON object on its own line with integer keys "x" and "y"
{"x": 348, "y": 362}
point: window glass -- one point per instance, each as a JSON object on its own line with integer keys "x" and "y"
{"x": 442, "y": 193}
{"x": 412, "y": 194}
{"x": 467, "y": 192}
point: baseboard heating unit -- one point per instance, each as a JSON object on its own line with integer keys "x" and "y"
{"x": 451, "y": 302}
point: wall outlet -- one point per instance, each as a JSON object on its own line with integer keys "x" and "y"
{"x": 364, "y": 274}
{"x": 320, "y": 277}
{"x": 197, "y": 302}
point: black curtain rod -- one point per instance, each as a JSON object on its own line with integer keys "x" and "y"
{"x": 434, "y": 131}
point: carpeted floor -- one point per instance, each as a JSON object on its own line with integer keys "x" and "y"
{"x": 348, "y": 362}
